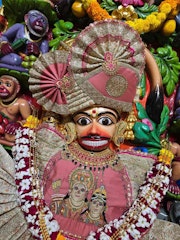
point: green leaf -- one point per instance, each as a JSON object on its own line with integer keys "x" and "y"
{"x": 155, "y": 136}
{"x": 55, "y": 42}
{"x": 168, "y": 62}
{"x": 141, "y": 111}
{"x": 68, "y": 25}
{"x": 141, "y": 132}
{"x": 164, "y": 120}
{"x": 170, "y": 87}
{"x": 143, "y": 85}
{"x": 56, "y": 32}
{"x": 154, "y": 151}
{"x": 109, "y": 5}
{"x": 146, "y": 10}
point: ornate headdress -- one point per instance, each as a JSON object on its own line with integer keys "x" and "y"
{"x": 99, "y": 193}
{"x": 105, "y": 64}
{"x": 81, "y": 176}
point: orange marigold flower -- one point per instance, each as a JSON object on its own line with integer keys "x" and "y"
{"x": 60, "y": 237}
{"x": 96, "y": 13}
{"x": 173, "y": 3}
{"x": 86, "y": 3}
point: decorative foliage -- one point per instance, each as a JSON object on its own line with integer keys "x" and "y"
{"x": 169, "y": 65}
{"x": 95, "y": 12}
{"x": 109, "y": 5}
{"x": 145, "y": 10}
{"x": 147, "y": 132}
{"x": 61, "y": 32}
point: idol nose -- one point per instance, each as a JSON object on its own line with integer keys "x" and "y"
{"x": 94, "y": 130}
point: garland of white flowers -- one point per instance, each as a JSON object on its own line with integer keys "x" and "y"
{"x": 132, "y": 225}
{"x": 30, "y": 192}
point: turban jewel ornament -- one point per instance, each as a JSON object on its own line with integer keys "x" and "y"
{"x": 107, "y": 61}
{"x": 49, "y": 81}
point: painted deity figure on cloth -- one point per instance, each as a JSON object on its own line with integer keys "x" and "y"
{"x": 75, "y": 201}
{"x": 95, "y": 213}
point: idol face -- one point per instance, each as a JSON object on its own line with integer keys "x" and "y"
{"x": 7, "y": 87}
{"x": 96, "y": 207}
{"x": 95, "y": 128}
{"x": 78, "y": 192}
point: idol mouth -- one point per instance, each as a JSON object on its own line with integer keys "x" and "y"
{"x": 95, "y": 143}
{"x": 3, "y": 93}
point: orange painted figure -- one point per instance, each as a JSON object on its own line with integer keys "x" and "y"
{"x": 13, "y": 108}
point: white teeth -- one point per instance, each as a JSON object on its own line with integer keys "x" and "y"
{"x": 95, "y": 143}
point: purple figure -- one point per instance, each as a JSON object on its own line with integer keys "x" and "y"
{"x": 29, "y": 39}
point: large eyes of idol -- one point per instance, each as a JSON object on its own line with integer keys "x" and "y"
{"x": 6, "y": 83}
{"x": 83, "y": 121}
{"x": 106, "y": 121}
{"x": 103, "y": 120}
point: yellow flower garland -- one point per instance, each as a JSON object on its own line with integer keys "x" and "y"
{"x": 165, "y": 156}
{"x": 175, "y": 6}
{"x": 31, "y": 122}
{"x": 153, "y": 22}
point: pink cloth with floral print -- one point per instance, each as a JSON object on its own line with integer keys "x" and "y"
{"x": 57, "y": 185}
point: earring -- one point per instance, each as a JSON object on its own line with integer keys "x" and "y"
{"x": 118, "y": 136}
{"x": 71, "y": 132}
{"x": 131, "y": 119}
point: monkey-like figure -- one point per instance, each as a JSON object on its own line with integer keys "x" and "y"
{"x": 24, "y": 39}
{"x": 13, "y": 109}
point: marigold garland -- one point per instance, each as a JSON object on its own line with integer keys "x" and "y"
{"x": 95, "y": 12}
{"x": 175, "y": 6}
{"x": 165, "y": 8}
{"x": 153, "y": 22}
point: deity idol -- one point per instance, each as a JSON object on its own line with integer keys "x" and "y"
{"x": 74, "y": 180}
{"x": 14, "y": 109}
{"x": 24, "y": 39}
